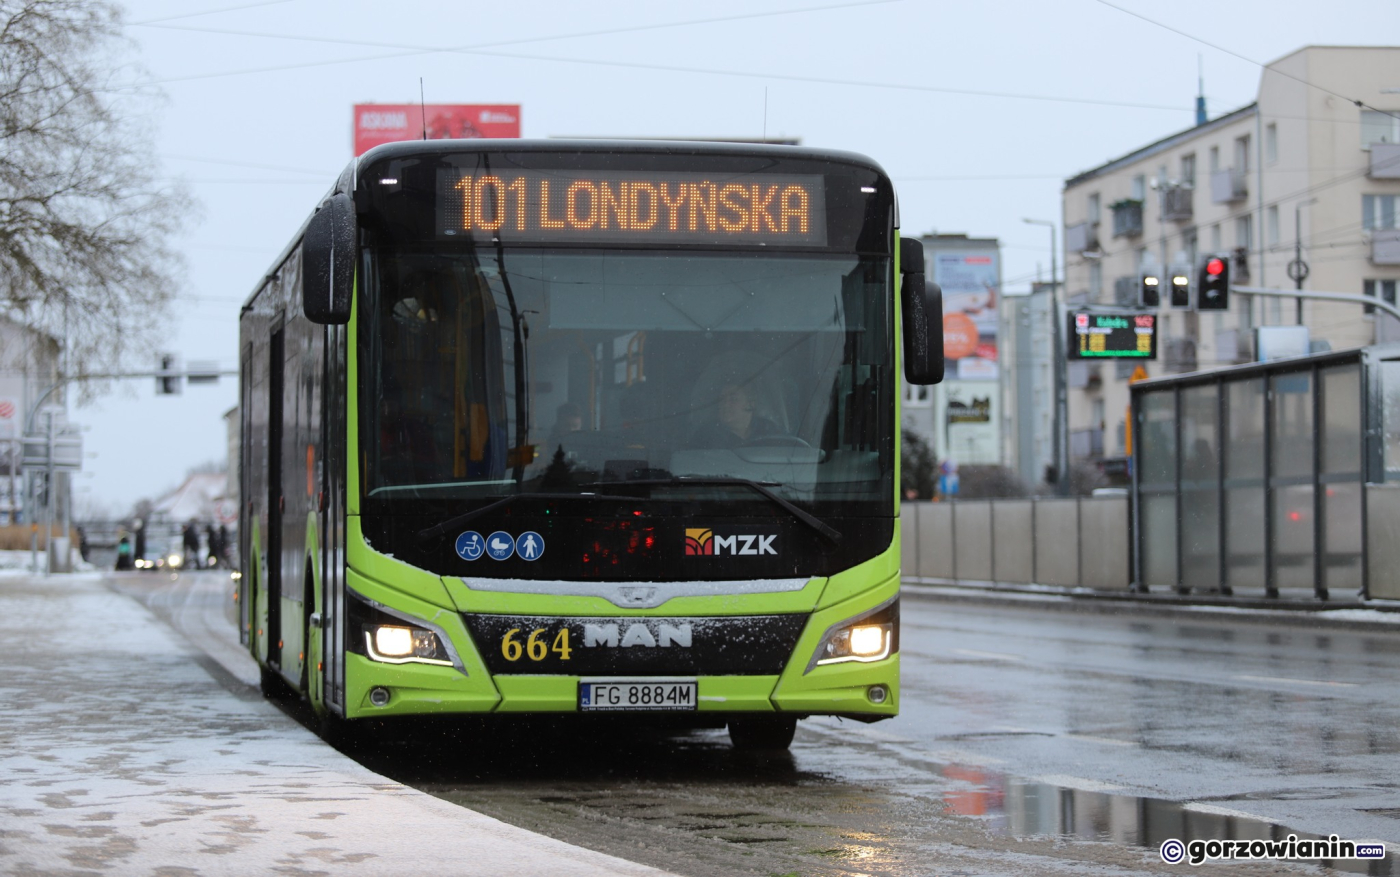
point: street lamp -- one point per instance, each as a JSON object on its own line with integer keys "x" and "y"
{"x": 1057, "y": 323}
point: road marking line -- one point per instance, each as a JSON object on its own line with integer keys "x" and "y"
{"x": 1296, "y": 681}
{"x": 995, "y": 656}
{"x": 1108, "y": 741}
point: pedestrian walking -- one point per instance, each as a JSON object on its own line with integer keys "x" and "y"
{"x": 191, "y": 545}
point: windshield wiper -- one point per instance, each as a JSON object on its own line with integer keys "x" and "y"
{"x": 467, "y": 517}
{"x": 826, "y": 530}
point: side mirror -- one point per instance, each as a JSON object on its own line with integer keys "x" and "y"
{"x": 328, "y": 262}
{"x": 921, "y": 312}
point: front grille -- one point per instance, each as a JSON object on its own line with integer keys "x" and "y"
{"x": 758, "y": 645}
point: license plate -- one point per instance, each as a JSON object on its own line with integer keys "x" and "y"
{"x": 637, "y": 694}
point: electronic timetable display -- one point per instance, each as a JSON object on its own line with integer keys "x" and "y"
{"x": 630, "y": 207}
{"x": 1098, "y": 335}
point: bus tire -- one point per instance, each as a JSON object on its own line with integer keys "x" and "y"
{"x": 762, "y": 733}
{"x": 273, "y": 686}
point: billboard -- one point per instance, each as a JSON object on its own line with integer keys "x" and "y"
{"x": 971, "y": 282}
{"x": 389, "y": 123}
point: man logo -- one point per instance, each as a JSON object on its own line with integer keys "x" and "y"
{"x": 699, "y": 541}
{"x": 704, "y": 542}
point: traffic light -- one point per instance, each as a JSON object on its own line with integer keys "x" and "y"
{"x": 1214, "y": 294}
{"x": 167, "y": 376}
{"x": 1149, "y": 290}
{"x": 1181, "y": 287}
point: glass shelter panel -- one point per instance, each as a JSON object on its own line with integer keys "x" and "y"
{"x": 1292, "y": 451}
{"x": 1340, "y": 436}
{"x": 1243, "y": 446}
{"x": 1200, "y": 487}
{"x": 1159, "y": 540}
{"x": 1159, "y": 440}
{"x": 1291, "y": 479}
{"x": 1390, "y": 393}
{"x": 1341, "y": 420}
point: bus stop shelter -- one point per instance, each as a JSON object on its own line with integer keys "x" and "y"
{"x": 1277, "y": 479}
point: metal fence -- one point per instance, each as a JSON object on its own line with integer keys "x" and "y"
{"x": 1077, "y": 542}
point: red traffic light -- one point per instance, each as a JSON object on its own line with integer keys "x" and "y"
{"x": 1215, "y": 267}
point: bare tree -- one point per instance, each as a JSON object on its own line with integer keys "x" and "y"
{"x": 85, "y": 223}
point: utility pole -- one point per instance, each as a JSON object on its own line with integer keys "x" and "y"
{"x": 1058, "y": 366}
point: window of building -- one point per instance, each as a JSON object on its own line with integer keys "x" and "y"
{"x": 1379, "y": 127}
{"x": 1191, "y": 244}
{"x": 1378, "y": 211}
{"x": 1242, "y": 154}
{"x": 1215, "y": 242}
{"x": 1244, "y": 231}
{"x": 1273, "y": 225}
{"x": 1139, "y": 188}
{"x": 1214, "y": 159}
{"x": 1384, "y": 288}
{"x": 1097, "y": 408}
{"x": 1271, "y": 143}
{"x": 1094, "y": 207}
{"x": 1140, "y": 259}
{"x": 918, "y": 396}
{"x": 1188, "y": 169}
{"x": 1095, "y": 281}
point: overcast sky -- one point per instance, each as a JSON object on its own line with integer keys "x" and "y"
{"x": 978, "y": 111}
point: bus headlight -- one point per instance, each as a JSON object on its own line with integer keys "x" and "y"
{"x": 862, "y": 642}
{"x": 870, "y": 636}
{"x": 397, "y": 644}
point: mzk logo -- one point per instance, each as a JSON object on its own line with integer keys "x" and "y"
{"x": 702, "y": 541}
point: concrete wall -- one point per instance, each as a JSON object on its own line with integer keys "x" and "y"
{"x": 1075, "y": 542}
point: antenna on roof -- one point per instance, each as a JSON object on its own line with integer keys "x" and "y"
{"x": 423, "y": 108}
{"x": 1200, "y": 91}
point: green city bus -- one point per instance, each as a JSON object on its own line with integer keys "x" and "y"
{"x": 584, "y": 427}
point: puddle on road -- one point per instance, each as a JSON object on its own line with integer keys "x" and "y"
{"x": 1027, "y": 808}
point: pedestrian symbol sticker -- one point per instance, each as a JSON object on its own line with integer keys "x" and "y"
{"x": 500, "y": 545}
{"x": 529, "y": 545}
{"x": 470, "y": 545}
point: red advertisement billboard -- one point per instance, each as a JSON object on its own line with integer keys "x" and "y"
{"x": 389, "y": 123}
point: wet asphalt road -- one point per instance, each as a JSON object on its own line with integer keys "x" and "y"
{"x": 1029, "y": 741}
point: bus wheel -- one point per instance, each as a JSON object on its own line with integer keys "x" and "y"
{"x": 341, "y": 733}
{"x": 273, "y": 686}
{"x": 760, "y": 733}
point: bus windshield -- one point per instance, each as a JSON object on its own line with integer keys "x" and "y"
{"x": 487, "y": 372}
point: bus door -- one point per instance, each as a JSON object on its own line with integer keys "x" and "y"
{"x": 332, "y": 504}
{"x": 247, "y": 612}
{"x": 272, "y": 551}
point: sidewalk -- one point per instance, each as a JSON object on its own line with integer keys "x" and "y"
{"x": 120, "y": 753}
{"x": 1350, "y": 614}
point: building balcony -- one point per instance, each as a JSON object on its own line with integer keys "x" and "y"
{"x": 1228, "y": 185}
{"x": 1385, "y": 246}
{"x": 1082, "y": 237}
{"x": 1127, "y": 218}
{"x": 1385, "y": 161}
{"x": 1177, "y": 203}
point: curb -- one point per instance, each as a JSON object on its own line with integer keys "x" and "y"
{"x": 1312, "y": 615}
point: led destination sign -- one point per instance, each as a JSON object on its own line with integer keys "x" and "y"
{"x": 602, "y": 207}
{"x": 1115, "y": 336}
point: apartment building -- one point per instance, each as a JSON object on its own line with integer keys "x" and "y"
{"x": 1302, "y": 170}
